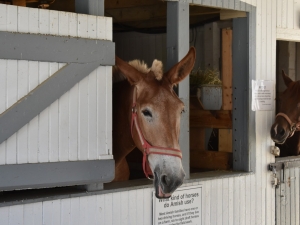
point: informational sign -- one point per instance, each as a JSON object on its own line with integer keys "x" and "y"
{"x": 263, "y": 95}
{"x": 183, "y": 207}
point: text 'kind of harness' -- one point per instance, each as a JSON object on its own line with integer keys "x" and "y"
{"x": 148, "y": 149}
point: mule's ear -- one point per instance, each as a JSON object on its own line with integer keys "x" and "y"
{"x": 287, "y": 80}
{"x": 132, "y": 74}
{"x": 180, "y": 70}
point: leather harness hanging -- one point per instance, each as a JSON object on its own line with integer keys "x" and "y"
{"x": 148, "y": 148}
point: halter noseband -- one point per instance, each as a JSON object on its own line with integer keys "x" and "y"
{"x": 149, "y": 149}
{"x": 293, "y": 126}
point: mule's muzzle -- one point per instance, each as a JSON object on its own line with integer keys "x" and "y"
{"x": 165, "y": 185}
{"x": 279, "y": 134}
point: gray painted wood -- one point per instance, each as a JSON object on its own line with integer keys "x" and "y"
{"x": 252, "y": 76}
{"x": 287, "y": 194}
{"x": 48, "y": 48}
{"x": 41, "y": 97}
{"x": 240, "y": 84}
{"x": 212, "y": 45}
{"x": 177, "y": 47}
{"x": 39, "y": 175}
{"x": 91, "y": 7}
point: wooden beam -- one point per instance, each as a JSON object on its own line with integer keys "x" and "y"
{"x": 227, "y": 69}
{"x": 19, "y": 2}
{"x": 140, "y": 14}
{"x": 117, "y": 4}
{"x": 198, "y": 10}
{"x": 143, "y": 24}
{"x": 197, "y": 138}
{"x": 211, "y": 160}
{"x": 226, "y": 14}
{"x": 204, "y": 119}
{"x": 159, "y": 22}
{"x": 225, "y": 140}
{"x": 152, "y": 11}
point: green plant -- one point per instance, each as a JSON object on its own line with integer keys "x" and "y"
{"x": 207, "y": 76}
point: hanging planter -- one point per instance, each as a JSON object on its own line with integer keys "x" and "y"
{"x": 210, "y": 96}
{"x": 209, "y": 88}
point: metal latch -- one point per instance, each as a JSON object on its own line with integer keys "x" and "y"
{"x": 275, "y": 181}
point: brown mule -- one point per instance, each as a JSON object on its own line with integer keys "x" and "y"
{"x": 287, "y": 122}
{"x": 158, "y": 111}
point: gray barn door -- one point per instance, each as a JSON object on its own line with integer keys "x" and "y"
{"x": 286, "y": 172}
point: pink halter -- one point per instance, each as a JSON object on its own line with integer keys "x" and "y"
{"x": 293, "y": 126}
{"x": 149, "y": 149}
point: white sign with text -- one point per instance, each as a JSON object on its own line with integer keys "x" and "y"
{"x": 183, "y": 207}
{"x": 263, "y": 98}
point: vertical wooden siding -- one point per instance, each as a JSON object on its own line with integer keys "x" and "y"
{"x": 288, "y": 14}
{"x": 287, "y": 197}
{"x": 287, "y": 20}
{"x": 78, "y": 125}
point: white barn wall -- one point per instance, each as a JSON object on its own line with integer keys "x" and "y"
{"x": 287, "y": 20}
{"x": 71, "y": 128}
{"x": 225, "y": 201}
{"x": 246, "y": 199}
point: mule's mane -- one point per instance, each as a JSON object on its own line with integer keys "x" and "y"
{"x": 156, "y": 68}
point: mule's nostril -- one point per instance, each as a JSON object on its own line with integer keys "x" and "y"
{"x": 165, "y": 180}
{"x": 281, "y": 132}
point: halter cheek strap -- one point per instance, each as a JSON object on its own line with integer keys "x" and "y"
{"x": 148, "y": 149}
{"x": 293, "y": 126}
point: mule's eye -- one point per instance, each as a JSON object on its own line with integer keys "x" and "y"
{"x": 147, "y": 113}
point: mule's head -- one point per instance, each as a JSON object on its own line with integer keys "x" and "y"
{"x": 158, "y": 113}
{"x": 289, "y": 109}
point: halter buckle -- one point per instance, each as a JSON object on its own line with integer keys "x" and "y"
{"x": 133, "y": 109}
{"x": 146, "y": 164}
{"x": 149, "y": 178}
{"x": 293, "y": 127}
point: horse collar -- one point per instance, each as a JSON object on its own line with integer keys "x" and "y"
{"x": 293, "y": 126}
{"x": 148, "y": 148}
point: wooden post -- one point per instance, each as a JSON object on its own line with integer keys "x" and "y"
{"x": 227, "y": 69}
{"x": 212, "y": 46}
{"x": 241, "y": 102}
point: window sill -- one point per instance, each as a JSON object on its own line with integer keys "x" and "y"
{"x": 38, "y": 195}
